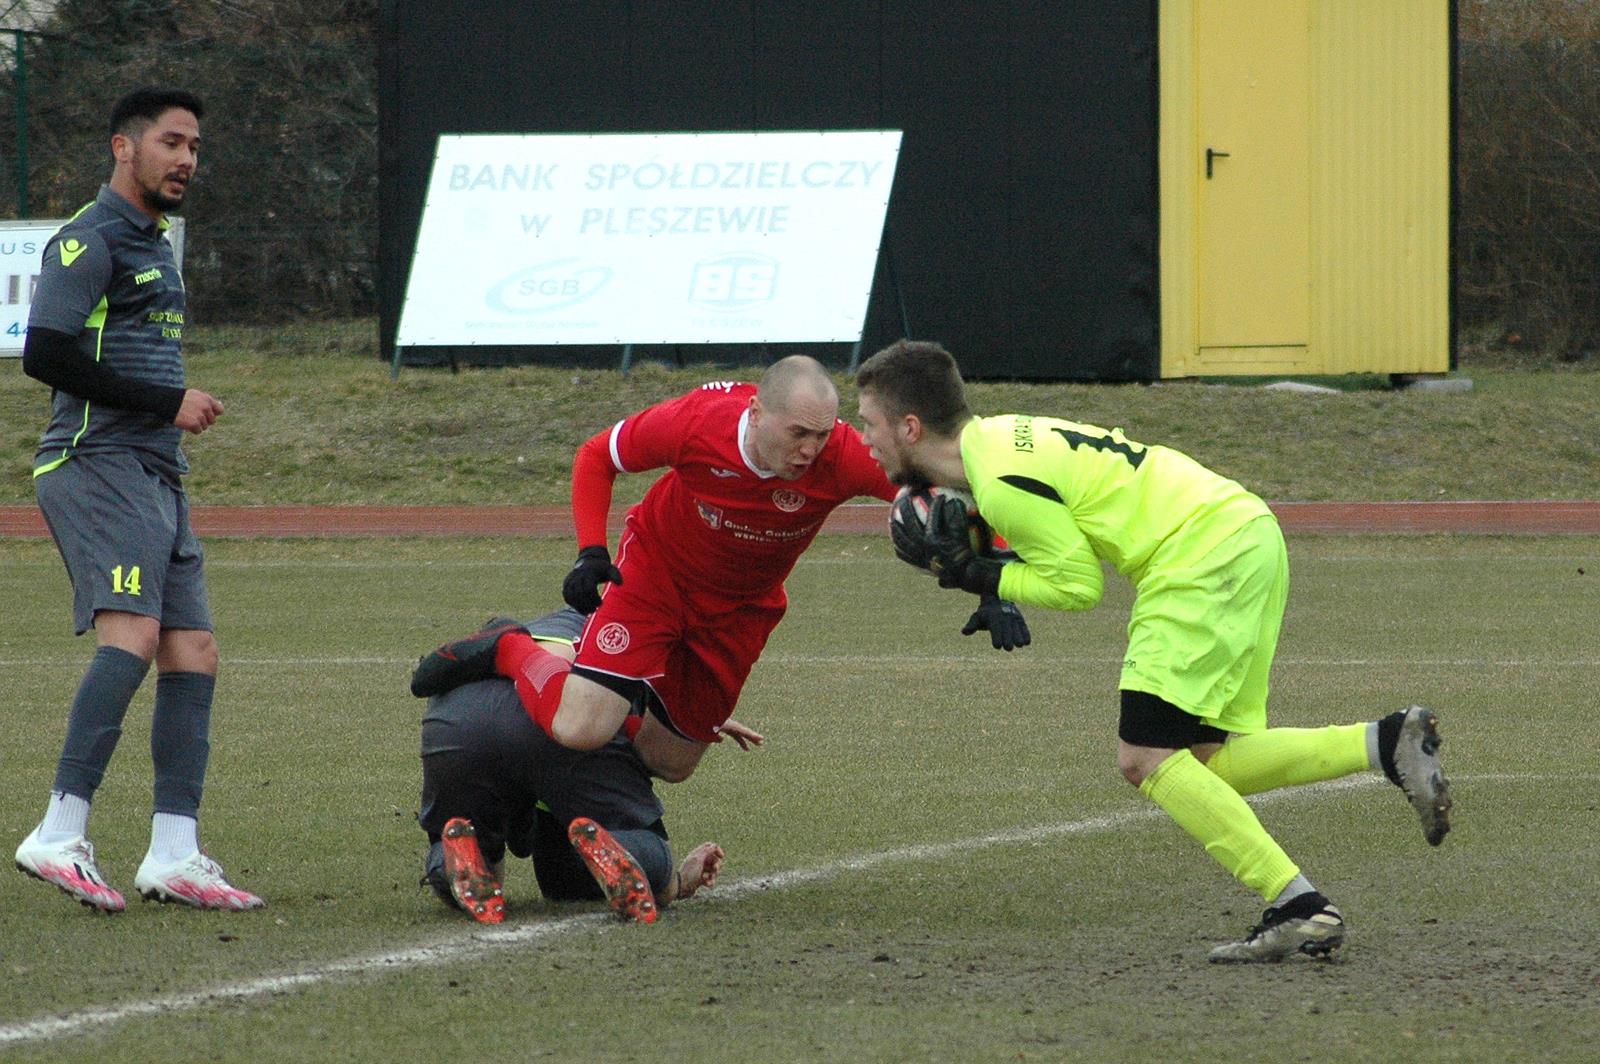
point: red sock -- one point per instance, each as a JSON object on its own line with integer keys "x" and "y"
{"x": 540, "y": 677}
{"x": 512, "y": 650}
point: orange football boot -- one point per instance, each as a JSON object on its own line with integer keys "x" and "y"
{"x": 472, "y": 883}
{"x": 619, "y": 875}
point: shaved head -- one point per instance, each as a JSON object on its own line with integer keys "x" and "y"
{"x": 791, "y": 416}
{"x": 797, "y": 378}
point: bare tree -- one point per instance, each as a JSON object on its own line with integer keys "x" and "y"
{"x": 1528, "y": 174}
{"x": 283, "y": 217}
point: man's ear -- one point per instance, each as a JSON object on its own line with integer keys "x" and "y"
{"x": 911, "y": 428}
{"x": 121, "y": 147}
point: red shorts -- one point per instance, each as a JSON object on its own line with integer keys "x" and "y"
{"x": 693, "y": 649}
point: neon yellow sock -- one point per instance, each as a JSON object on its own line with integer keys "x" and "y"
{"x": 1288, "y": 757}
{"x": 1212, "y": 812}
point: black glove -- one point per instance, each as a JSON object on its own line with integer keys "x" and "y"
{"x": 1006, "y": 626}
{"x": 952, "y": 555}
{"x": 909, "y": 539}
{"x": 581, "y": 588}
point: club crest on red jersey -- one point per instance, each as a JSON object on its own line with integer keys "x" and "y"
{"x": 711, "y": 515}
{"x": 612, "y": 638}
{"x": 788, "y": 501}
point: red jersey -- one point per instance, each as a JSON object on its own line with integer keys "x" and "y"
{"x": 722, "y": 525}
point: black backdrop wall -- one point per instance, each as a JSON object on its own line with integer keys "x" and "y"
{"x": 1022, "y": 231}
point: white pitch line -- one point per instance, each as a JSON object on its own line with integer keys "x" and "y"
{"x": 457, "y": 948}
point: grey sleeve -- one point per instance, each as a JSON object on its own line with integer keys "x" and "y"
{"x": 73, "y": 277}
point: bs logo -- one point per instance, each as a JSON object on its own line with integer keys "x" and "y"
{"x": 734, "y": 281}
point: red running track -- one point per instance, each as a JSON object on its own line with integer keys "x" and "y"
{"x": 1488, "y": 518}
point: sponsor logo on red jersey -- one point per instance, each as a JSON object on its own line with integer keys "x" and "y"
{"x": 711, "y": 515}
{"x": 788, "y": 501}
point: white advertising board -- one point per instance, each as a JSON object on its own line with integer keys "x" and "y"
{"x": 649, "y": 238}
{"x": 21, "y": 245}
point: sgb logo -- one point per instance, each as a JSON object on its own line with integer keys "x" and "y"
{"x": 548, "y": 286}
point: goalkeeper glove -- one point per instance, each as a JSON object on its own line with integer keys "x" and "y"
{"x": 581, "y": 588}
{"x": 910, "y": 541}
{"x": 1006, "y": 626}
{"x": 952, "y": 556}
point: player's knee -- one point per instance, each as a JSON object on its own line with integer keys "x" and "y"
{"x": 134, "y": 633}
{"x": 188, "y": 650}
{"x": 1138, "y": 763}
{"x": 579, "y": 732}
{"x": 674, "y": 772}
{"x": 206, "y": 655}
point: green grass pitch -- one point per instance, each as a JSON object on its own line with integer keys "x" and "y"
{"x": 932, "y": 859}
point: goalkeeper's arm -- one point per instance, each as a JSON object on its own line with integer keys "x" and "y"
{"x": 1053, "y": 564}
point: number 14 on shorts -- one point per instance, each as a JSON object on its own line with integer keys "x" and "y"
{"x": 125, "y": 583}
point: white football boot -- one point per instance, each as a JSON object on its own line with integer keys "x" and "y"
{"x": 69, "y": 865}
{"x": 194, "y": 880}
{"x": 1416, "y": 761}
{"x": 1307, "y": 924}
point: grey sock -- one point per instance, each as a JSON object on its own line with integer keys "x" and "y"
{"x": 433, "y": 875}
{"x": 95, "y": 723}
{"x": 1297, "y": 886}
{"x": 180, "y": 740}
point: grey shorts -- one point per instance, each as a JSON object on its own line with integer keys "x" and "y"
{"x": 124, "y": 535}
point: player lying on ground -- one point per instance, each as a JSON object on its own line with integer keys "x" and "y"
{"x": 591, "y": 821}
{"x": 698, "y": 584}
{"x": 1211, "y": 576}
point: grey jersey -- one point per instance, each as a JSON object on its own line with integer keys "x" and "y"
{"x": 109, "y": 278}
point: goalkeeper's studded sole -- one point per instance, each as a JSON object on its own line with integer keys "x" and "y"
{"x": 474, "y": 886}
{"x": 1323, "y": 950}
{"x": 1416, "y": 759}
{"x": 619, "y": 875}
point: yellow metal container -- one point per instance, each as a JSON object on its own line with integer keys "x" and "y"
{"x": 1305, "y": 186}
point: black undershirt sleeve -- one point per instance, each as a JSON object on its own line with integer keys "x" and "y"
{"x": 54, "y": 358}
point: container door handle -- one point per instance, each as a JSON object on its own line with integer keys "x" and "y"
{"x": 1211, "y": 154}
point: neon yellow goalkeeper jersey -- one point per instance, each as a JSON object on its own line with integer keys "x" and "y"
{"x": 1067, "y": 495}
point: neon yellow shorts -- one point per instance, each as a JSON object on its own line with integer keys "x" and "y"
{"x": 1203, "y": 634}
